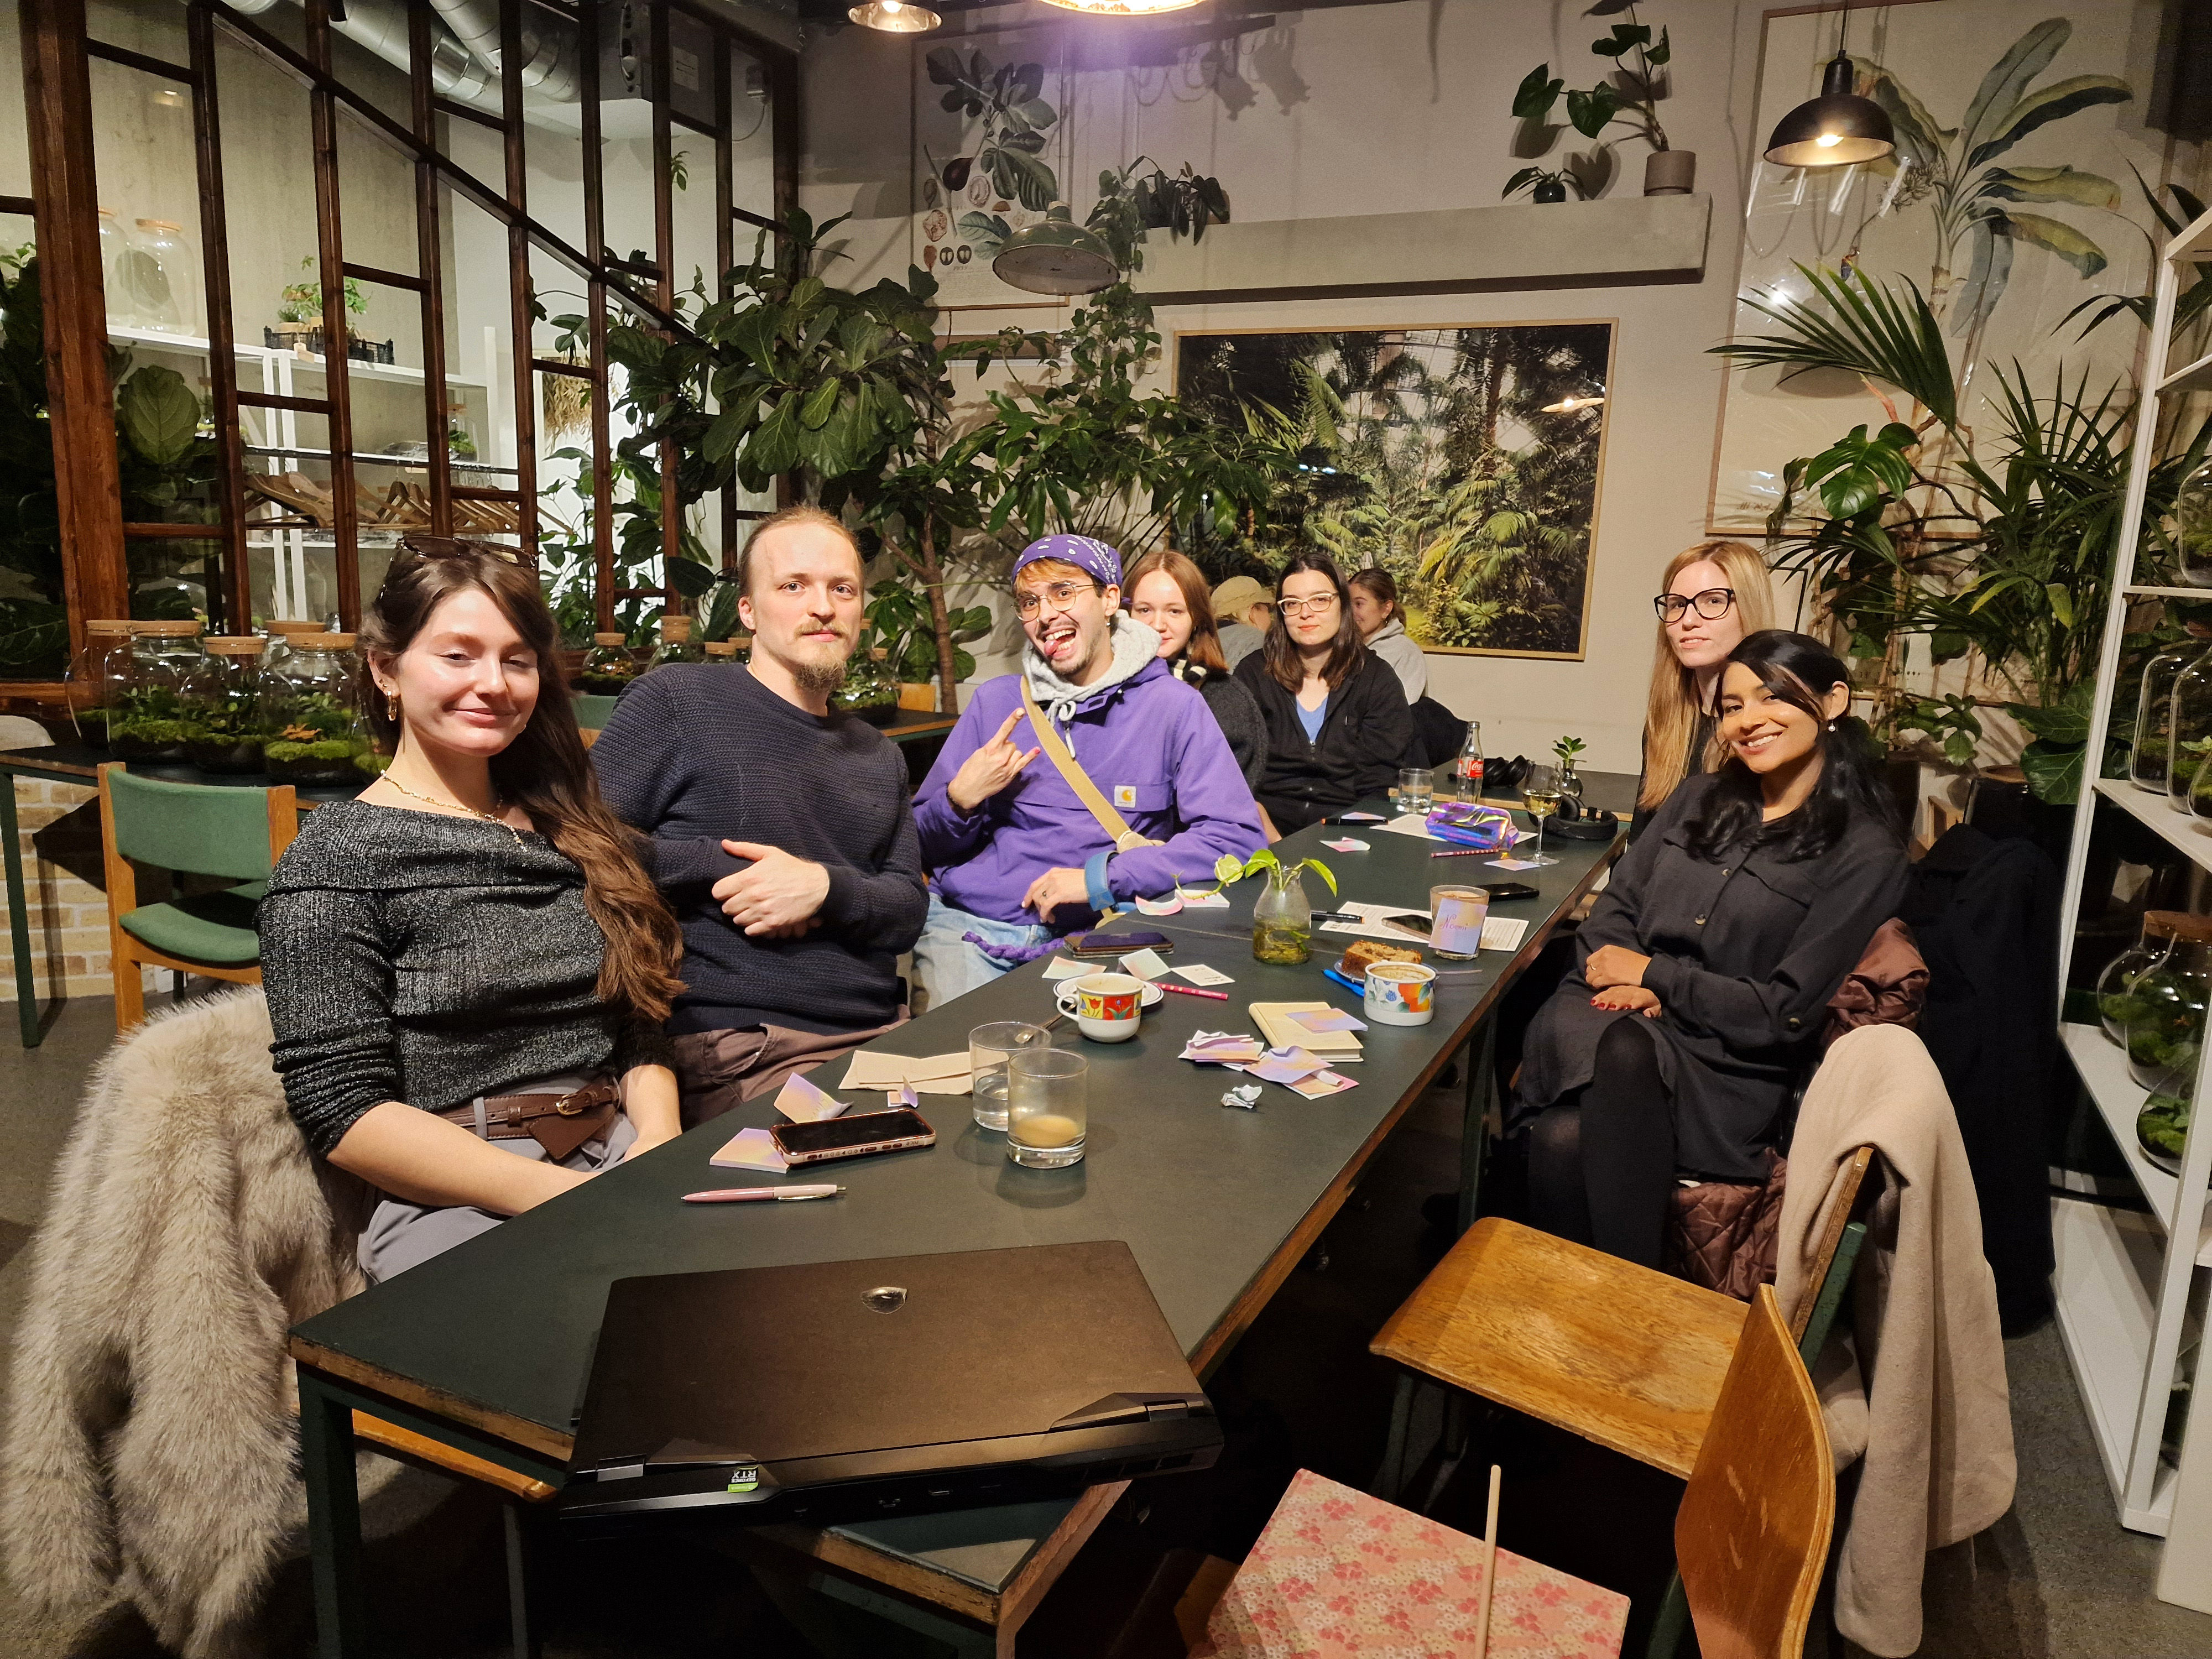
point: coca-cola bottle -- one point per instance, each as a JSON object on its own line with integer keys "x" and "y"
{"x": 1467, "y": 769}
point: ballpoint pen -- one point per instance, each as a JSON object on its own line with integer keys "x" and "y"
{"x": 1191, "y": 991}
{"x": 758, "y": 1194}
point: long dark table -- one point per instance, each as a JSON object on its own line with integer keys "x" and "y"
{"x": 485, "y": 1348}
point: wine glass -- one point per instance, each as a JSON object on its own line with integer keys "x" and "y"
{"x": 1540, "y": 794}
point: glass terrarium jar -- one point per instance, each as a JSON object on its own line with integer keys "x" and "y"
{"x": 2116, "y": 1003}
{"x": 676, "y": 644}
{"x": 2192, "y": 527}
{"x": 608, "y": 666}
{"x": 97, "y": 678}
{"x": 148, "y": 724}
{"x": 223, "y": 725}
{"x": 870, "y": 689}
{"x": 163, "y": 289}
{"x": 2165, "y": 1015}
{"x": 722, "y": 651}
{"x": 2154, "y": 746}
{"x": 2188, "y": 730}
{"x": 310, "y": 702}
{"x": 278, "y": 645}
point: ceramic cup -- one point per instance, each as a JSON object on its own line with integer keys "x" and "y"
{"x": 1108, "y": 1007}
{"x": 1401, "y": 993}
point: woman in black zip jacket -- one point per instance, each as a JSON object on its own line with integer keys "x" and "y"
{"x": 1338, "y": 726}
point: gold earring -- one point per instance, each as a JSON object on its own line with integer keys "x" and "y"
{"x": 391, "y": 707}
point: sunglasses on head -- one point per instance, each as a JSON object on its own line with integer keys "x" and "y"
{"x": 460, "y": 547}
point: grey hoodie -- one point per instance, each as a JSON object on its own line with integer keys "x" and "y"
{"x": 1134, "y": 645}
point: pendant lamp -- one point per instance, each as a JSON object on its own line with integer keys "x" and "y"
{"x": 1123, "y": 7}
{"x": 895, "y": 17}
{"x": 1839, "y": 127}
{"x": 1057, "y": 256}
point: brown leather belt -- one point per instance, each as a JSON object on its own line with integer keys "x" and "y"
{"x": 559, "y": 1123}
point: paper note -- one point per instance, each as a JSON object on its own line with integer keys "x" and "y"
{"x": 1198, "y": 973}
{"x": 1348, "y": 845}
{"x": 1412, "y": 824}
{"x": 1061, "y": 968}
{"x": 1498, "y": 933}
{"x": 901, "y": 1095}
{"x": 932, "y": 1074}
{"x": 1334, "y": 1019}
{"x": 1147, "y": 964}
{"x": 803, "y": 1102}
{"x": 1205, "y": 900}
{"x": 1171, "y": 905}
{"x": 1284, "y": 1066}
{"x": 1322, "y": 1083}
{"x": 750, "y": 1149}
{"x": 1503, "y": 932}
{"x": 1359, "y": 818}
{"x": 1513, "y": 864}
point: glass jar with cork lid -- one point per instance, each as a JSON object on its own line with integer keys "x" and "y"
{"x": 608, "y": 667}
{"x": 223, "y": 723}
{"x": 676, "y": 645}
{"x": 870, "y": 687}
{"x": 98, "y": 678}
{"x": 311, "y": 703}
{"x": 281, "y": 634}
{"x": 149, "y": 725}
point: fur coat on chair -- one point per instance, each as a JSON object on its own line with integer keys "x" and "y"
{"x": 152, "y": 1441}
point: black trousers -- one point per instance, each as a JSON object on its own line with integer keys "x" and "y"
{"x": 1601, "y": 1160}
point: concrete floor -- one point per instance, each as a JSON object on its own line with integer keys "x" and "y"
{"x": 2058, "y": 1578}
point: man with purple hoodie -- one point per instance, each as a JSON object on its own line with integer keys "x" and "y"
{"x": 1016, "y": 859}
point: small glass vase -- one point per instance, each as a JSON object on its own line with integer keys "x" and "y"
{"x": 2116, "y": 986}
{"x": 1282, "y": 921}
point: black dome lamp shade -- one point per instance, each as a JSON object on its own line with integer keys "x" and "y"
{"x": 1834, "y": 129}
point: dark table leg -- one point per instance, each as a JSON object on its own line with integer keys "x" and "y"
{"x": 333, "y": 1522}
{"x": 18, "y": 918}
{"x": 1481, "y": 1063}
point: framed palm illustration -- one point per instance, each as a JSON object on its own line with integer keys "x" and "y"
{"x": 1464, "y": 461}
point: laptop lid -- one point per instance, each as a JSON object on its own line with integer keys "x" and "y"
{"x": 829, "y": 1360}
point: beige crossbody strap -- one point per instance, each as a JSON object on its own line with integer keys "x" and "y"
{"x": 1115, "y": 826}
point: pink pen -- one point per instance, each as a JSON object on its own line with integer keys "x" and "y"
{"x": 758, "y": 1194}
{"x": 1191, "y": 991}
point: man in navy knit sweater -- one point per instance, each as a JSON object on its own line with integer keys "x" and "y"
{"x": 779, "y": 832}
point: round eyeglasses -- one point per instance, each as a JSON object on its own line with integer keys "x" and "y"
{"x": 1712, "y": 605}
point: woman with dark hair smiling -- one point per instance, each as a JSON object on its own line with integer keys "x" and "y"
{"x": 1338, "y": 725}
{"x": 466, "y": 967}
{"x": 1708, "y": 961}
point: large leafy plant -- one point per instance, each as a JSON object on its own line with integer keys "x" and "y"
{"x": 1635, "y": 60}
{"x": 901, "y": 620}
{"x": 1979, "y": 209}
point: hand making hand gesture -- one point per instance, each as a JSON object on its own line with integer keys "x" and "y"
{"x": 989, "y": 769}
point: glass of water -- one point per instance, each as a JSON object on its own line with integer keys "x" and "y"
{"x": 1047, "y": 1107}
{"x": 989, "y": 1047}
{"x": 1416, "y": 790}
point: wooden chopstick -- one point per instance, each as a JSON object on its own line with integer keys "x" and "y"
{"x": 1489, "y": 1566}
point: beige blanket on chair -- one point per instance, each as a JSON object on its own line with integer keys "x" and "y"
{"x": 1934, "y": 1427}
{"x": 151, "y": 1437}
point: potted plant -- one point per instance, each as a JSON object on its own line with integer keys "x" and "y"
{"x": 1282, "y": 920}
{"x": 1549, "y": 185}
{"x": 1629, "y": 95}
{"x": 299, "y": 308}
{"x": 1571, "y": 782}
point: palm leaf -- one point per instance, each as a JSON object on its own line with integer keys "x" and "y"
{"x": 1863, "y": 328}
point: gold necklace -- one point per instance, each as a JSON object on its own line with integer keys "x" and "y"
{"x": 432, "y": 800}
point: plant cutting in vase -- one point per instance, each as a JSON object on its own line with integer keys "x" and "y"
{"x": 1548, "y": 185}
{"x": 1282, "y": 920}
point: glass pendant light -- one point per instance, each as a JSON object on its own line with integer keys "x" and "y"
{"x": 1055, "y": 257}
{"x": 1839, "y": 127}
{"x": 895, "y": 17}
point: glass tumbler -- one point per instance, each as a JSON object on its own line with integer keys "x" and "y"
{"x": 1047, "y": 1108}
{"x": 989, "y": 1047}
{"x": 1416, "y": 790}
{"x": 1459, "y": 914}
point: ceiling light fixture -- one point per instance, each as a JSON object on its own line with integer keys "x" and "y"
{"x": 1123, "y": 7}
{"x": 1057, "y": 256}
{"x": 895, "y": 17}
{"x": 1839, "y": 127}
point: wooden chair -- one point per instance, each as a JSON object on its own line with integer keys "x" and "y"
{"x": 1752, "y": 1535}
{"x": 192, "y": 829}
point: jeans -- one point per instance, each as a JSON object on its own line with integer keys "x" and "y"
{"x": 946, "y": 966}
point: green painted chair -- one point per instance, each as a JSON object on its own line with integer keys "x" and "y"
{"x": 592, "y": 713}
{"x": 191, "y": 828}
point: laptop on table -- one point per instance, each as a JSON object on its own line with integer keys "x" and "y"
{"x": 846, "y": 1390}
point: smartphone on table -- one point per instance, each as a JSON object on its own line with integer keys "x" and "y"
{"x": 856, "y": 1136}
{"x": 1116, "y": 944}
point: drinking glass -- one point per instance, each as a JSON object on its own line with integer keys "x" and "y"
{"x": 989, "y": 1047}
{"x": 1047, "y": 1110}
{"x": 1458, "y": 914}
{"x": 1416, "y": 790}
{"x": 1540, "y": 794}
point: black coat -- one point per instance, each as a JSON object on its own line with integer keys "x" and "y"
{"x": 1986, "y": 915}
{"x": 1366, "y": 735}
{"x": 1744, "y": 954}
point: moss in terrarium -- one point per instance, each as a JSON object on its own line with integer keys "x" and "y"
{"x": 147, "y": 733}
{"x": 2163, "y": 1124}
{"x": 287, "y": 751}
{"x": 315, "y": 711}
{"x": 371, "y": 764}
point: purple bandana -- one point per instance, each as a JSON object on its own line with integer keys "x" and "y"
{"x": 1094, "y": 557}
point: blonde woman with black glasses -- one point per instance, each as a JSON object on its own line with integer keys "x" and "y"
{"x": 1710, "y": 598}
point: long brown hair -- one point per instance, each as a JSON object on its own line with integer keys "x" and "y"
{"x": 544, "y": 771}
{"x": 1205, "y": 645}
{"x": 1346, "y": 655}
{"x": 1671, "y": 717}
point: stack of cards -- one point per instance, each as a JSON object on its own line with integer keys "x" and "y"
{"x": 932, "y": 1074}
{"x": 1294, "y": 1068}
{"x": 750, "y": 1149}
{"x": 1328, "y": 1019}
{"x": 1222, "y": 1049}
{"x": 1284, "y": 1029}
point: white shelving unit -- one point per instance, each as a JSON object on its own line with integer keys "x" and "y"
{"x": 2126, "y": 1277}
{"x": 280, "y": 372}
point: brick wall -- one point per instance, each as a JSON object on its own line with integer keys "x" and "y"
{"x": 62, "y": 877}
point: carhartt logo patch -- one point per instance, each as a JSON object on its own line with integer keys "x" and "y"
{"x": 1125, "y": 794}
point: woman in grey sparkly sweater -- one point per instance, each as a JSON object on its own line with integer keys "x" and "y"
{"x": 466, "y": 968}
